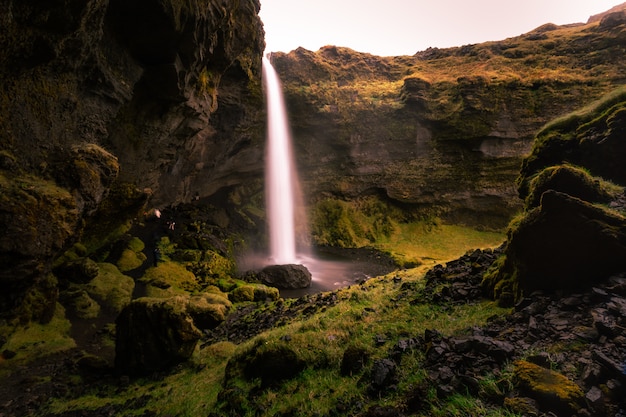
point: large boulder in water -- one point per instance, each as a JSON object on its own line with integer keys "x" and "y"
{"x": 286, "y": 277}
{"x": 154, "y": 334}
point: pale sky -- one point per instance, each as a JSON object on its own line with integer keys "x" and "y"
{"x": 404, "y": 27}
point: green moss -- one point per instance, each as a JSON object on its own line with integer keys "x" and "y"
{"x": 112, "y": 289}
{"x": 40, "y": 301}
{"x": 208, "y": 265}
{"x": 136, "y": 245}
{"x": 265, "y": 293}
{"x": 130, "y": 260}
{"x": 351, "y": 224}
{"x": 551, "y": 388}
{"x": 571, "y": 180}
{"x": 172, "y": 275}
{"x": 208, "y": 310}
{"x": 81, "y": 304}
{"x": 242, "y": 294}
{"x": 39, "y": 340}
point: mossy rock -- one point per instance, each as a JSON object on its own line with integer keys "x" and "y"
{"x": 227, "y": 284}
{"x": 591, "y": 137}
{"x": 79, "y": 303}
{"x": 501, "y": 283}
{"x": 153, "y": 334}
{"x": 171, "y": 274}
{"x": 522, "y": 405}
{"x": 112, "y": 289}
{"x": 271, "y": 362}
{"x": 552, "y": 390}
{"x": 265, "y": 293}
{"x": 242, "y": 294}
{"x": 208, "y": 310}
{"x": 136, "y": 245}
{"x": 130, "y": 260}
{"x": 571, "y": 180}
{"x": 565, "y": 243}
{"x": 208, "y": 264}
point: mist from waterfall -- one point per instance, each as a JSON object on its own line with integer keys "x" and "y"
{"x": 279, "y": 172}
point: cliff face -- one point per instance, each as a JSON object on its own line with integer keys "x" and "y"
{"x": 572, "y": 233}
{"x": 443, "y": 130}
{"x": 150, "y": 99}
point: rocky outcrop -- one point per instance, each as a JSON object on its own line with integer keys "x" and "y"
{"x": 153, "y": 334}
{"x": 107, "y": 103}
{"x": 573, "y": 232}
{"x": 442, "y": 132}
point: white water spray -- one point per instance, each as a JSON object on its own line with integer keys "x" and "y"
{"x": 280, "y": 172}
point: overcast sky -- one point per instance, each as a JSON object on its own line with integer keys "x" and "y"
{"x": 404, "y": 27}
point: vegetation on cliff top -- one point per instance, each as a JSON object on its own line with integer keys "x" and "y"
{"x": 550, "y": 56}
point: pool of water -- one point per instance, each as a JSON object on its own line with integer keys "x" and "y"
{"x": 330, "y": 269}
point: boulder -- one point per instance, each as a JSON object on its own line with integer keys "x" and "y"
{"x": 154, "y": 334}
{"x": 288, "y": 276}
{"x": 567, "y": 243}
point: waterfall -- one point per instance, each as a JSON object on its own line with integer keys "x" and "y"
{"x": 279, "y": 172}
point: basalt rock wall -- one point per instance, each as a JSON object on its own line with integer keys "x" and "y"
{"x": 156, "y": 100}
{"x": 445, "y": 129}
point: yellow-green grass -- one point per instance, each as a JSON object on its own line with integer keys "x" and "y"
{"x": 429, "y": 244}
{"x": 37, "y": 341}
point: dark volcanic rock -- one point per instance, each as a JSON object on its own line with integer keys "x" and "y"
{"x": 98, "y": 95}
{"x": 153, "y": 334}
{"x": 569, "y": 237}
{"x": 286, "y": 276}
{"x": 567, "y": 243}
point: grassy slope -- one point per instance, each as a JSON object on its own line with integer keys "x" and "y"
{"x": 376, "y": 308}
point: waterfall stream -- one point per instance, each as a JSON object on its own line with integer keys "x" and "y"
{"x": 280, "y": 172}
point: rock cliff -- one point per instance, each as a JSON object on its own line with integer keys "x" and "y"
{"x": 107, "y": 103}
{"x": 444, "y": 130}
{"x": 572, "y": 233}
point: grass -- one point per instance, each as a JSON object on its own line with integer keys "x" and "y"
{"x": 430, "y": 243}
{"x": 320, "y": 340}
{"x": 37, "y": 341}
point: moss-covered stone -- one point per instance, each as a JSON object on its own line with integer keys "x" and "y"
{"x": 573, "y": 232}
{"x": 522, "y": 405}
{"x": 574, "y": 181}
{"x": 265, "y": 293}
{"x": 79, "y": 304}
{"x": 153, "y": 334}
{"x": 591, "y": 137}
{"x": 552, "y": 390}
{"x": 242, "y": 294}
{"x": 111, "y": 288}
{"x": 172, "y": 275}
{"x": 271, "y": 362}
{"x": 208, "y": 310}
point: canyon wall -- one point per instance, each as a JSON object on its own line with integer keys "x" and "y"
{"x": 442, "y": 132}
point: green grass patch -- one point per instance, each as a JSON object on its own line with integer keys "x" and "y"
{"x": 429, "y": 243}
{"x": 38, "y": 340}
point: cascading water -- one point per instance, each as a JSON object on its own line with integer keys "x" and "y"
{"x": 285, "y": 208}
{"x": 280, "y": 172}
